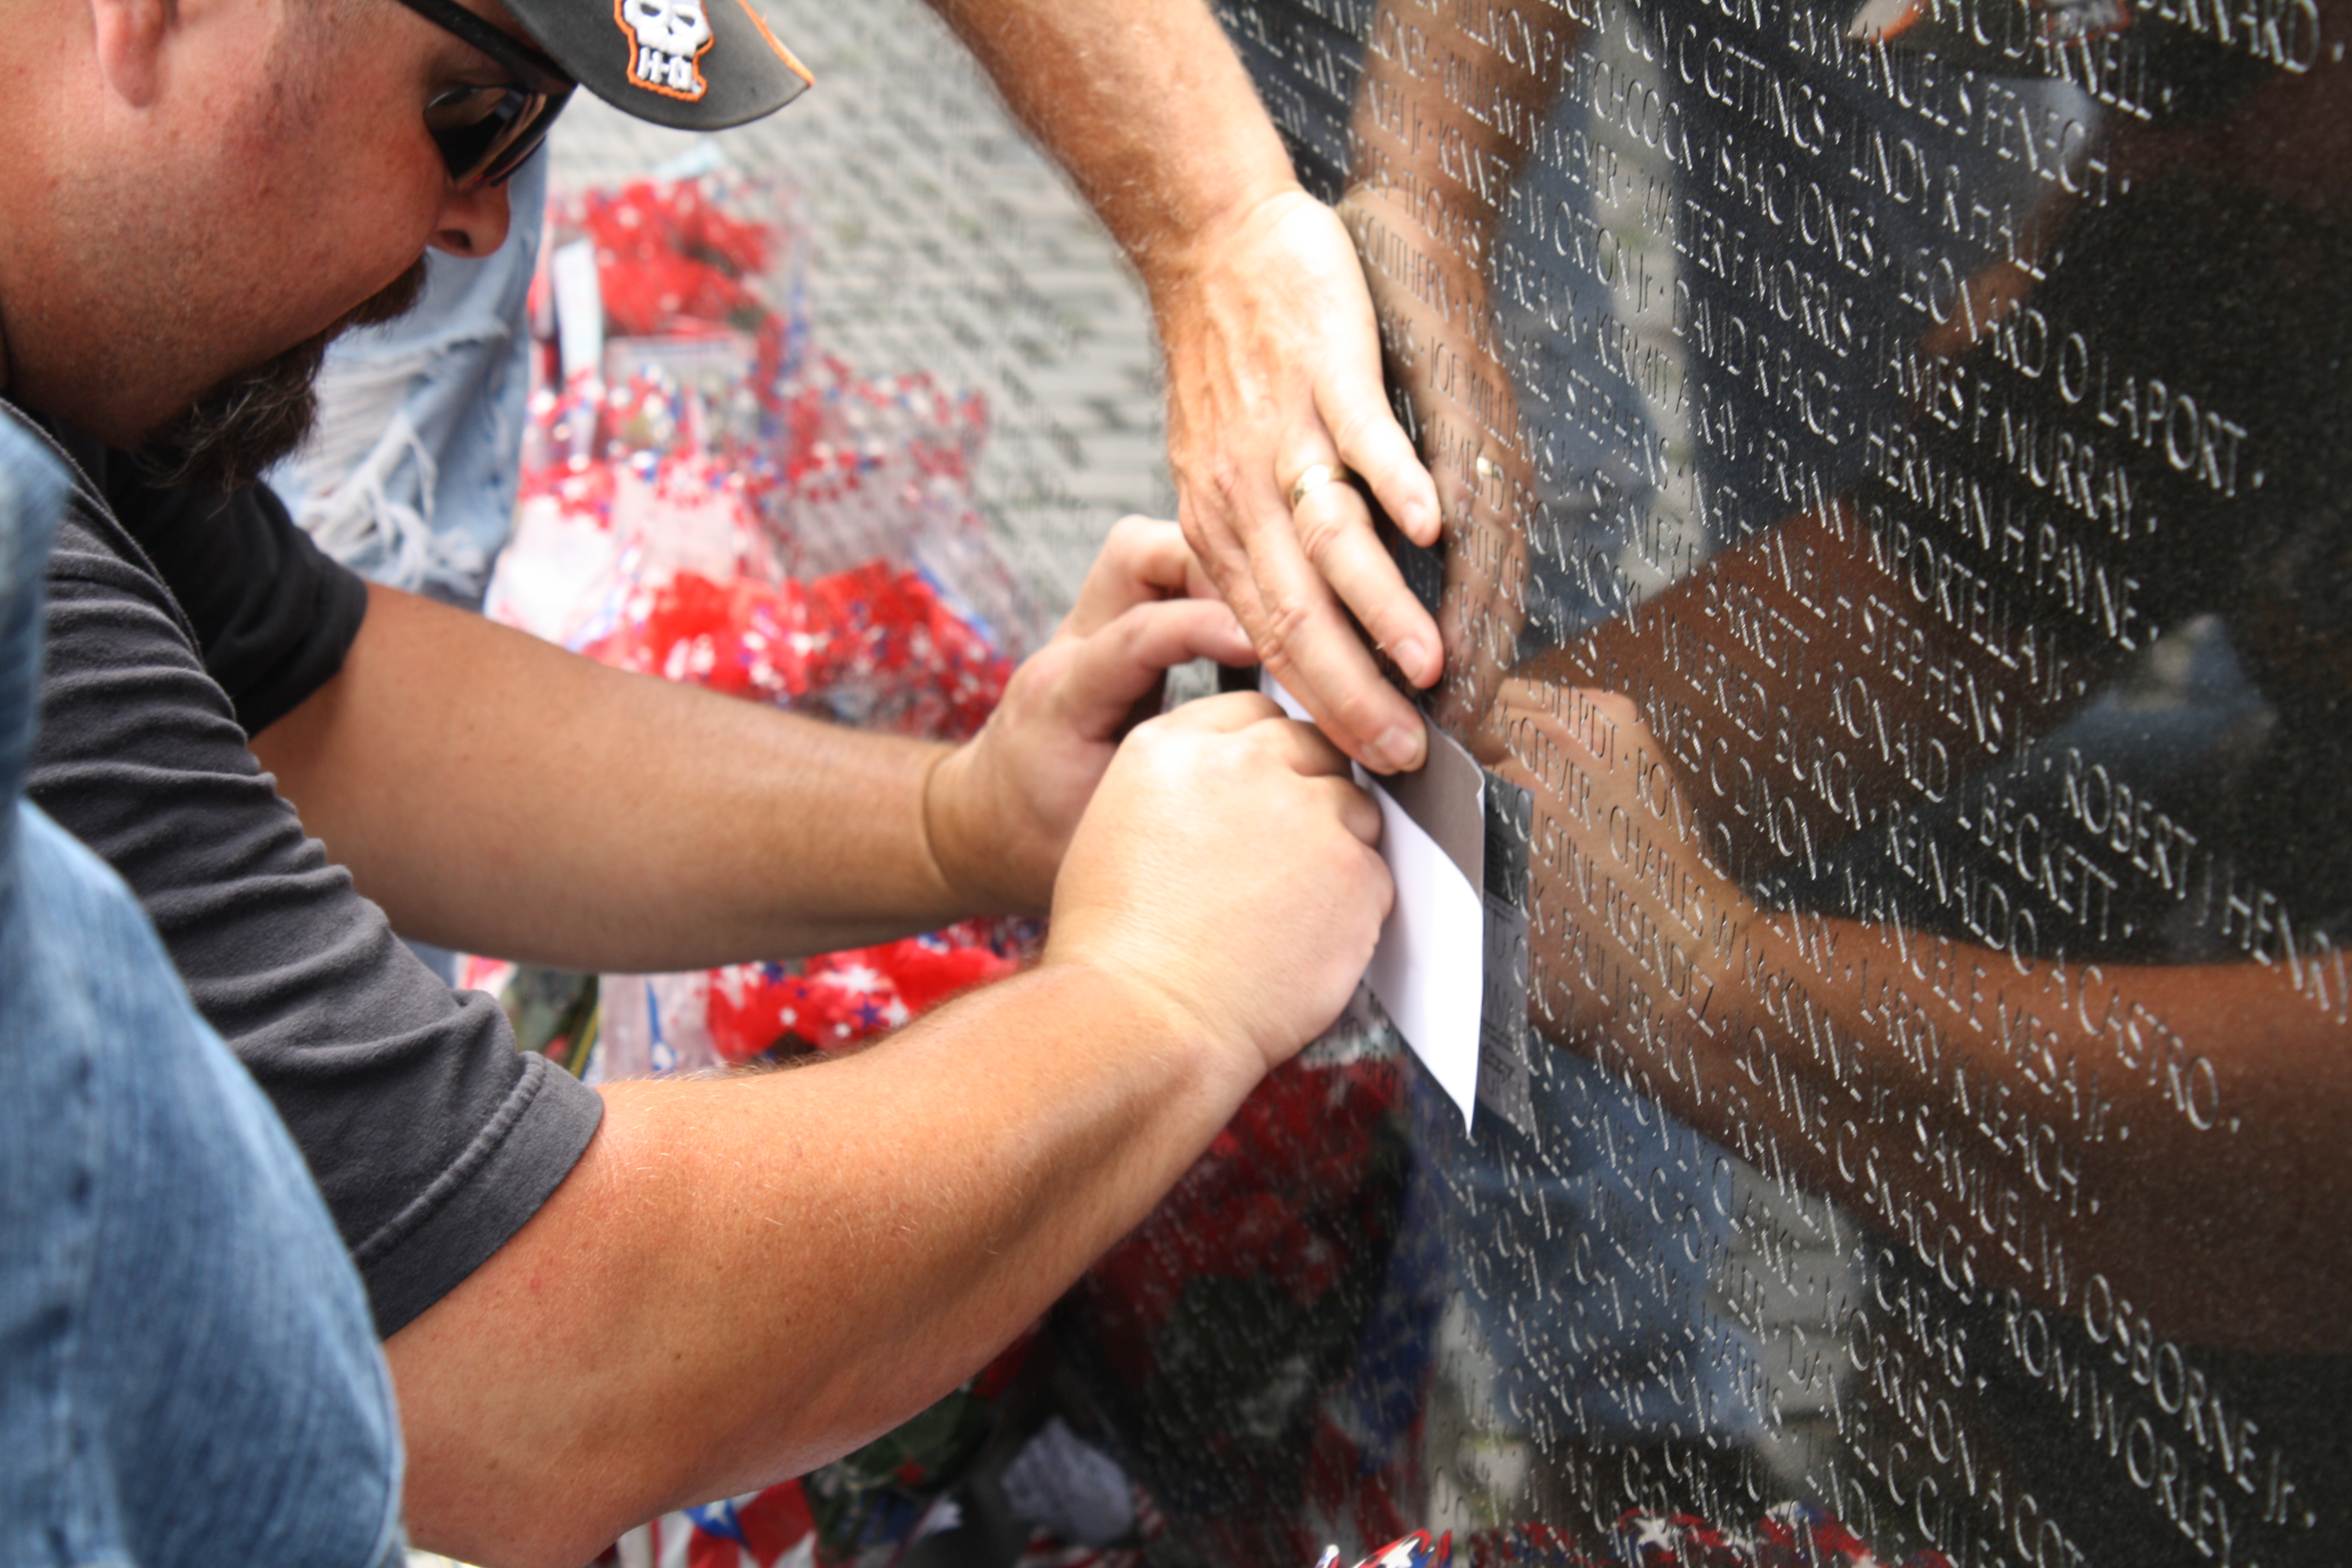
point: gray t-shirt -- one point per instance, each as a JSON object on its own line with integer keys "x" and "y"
{"x": 431, "y": 1137}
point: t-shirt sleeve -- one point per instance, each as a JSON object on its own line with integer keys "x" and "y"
{"x": 432, "y": 1138}
{"x": 273, "y": 614}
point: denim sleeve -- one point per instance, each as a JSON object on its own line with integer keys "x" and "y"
{"x": 188, "y": 1372}
{"x": 409, "y": 476}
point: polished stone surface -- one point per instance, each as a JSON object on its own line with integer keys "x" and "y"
{"x": 1900, "y": 531}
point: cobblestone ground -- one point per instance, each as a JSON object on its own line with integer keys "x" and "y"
{"x": 946, "y": 242}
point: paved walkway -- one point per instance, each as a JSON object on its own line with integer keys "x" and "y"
{"x": 945, "y": 242}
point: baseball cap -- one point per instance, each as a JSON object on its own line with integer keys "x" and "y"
{"x": 696, "y": 64}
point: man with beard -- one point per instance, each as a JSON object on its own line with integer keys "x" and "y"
{"x": 750, "y": 1276}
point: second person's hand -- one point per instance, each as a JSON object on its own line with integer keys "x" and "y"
{"x": 1274, "y": 372}
{"x": 999, "y": 810}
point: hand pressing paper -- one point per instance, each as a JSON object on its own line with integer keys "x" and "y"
{"x": 1429, "y": 970}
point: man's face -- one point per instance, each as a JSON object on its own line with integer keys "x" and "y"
{"x": 278, "y": 179}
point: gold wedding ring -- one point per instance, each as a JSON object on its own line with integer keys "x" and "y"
{"x": 1316, "y": 476}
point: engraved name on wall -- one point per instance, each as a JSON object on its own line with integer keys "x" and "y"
{"x": 1899, "y": 507}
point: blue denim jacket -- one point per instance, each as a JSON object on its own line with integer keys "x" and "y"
{"x": 188, "y": 1371}
{"x": 409, "y": 478}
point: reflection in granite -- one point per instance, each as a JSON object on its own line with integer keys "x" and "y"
{"x": 1900, "y": 532}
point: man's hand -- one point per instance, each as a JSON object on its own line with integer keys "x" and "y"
{"x": 888, "y": 1219}
{"x": 999, "y": 811}
{"x": 1227, "y": 865}
{"x": 1273, "y": 362}
{"x": 1274, "y": 366}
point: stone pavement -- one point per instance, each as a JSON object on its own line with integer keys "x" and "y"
{"x": 945, "y": 242}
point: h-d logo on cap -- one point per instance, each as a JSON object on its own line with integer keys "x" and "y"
{"x": 665, "y": 38}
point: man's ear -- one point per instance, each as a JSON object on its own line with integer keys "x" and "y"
{"x": 130, "y": 37}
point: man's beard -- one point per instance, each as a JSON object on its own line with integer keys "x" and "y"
{"x": 233, "y": 433}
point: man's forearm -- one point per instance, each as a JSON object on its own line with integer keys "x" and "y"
{"x": 742, "y": 1278}
{"x": 1144, "y": 104}
{"x": 745, "y": 1278}
{"x": 1272, "y": 351}
{"x": 499, "y": 795}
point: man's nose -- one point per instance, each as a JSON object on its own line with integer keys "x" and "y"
{"x": 473, "y": 221}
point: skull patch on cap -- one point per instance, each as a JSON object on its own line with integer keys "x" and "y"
{"x": 665, "y": 38}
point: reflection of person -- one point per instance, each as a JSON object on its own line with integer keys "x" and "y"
{"x": 2196, "y": 279}
{"x": 2266, "y": 245}
{"x": 757, "y": 1273}
{"x": 175, "y": 1304}
{"x": 1428, "y": 236}
{"x": 1616, "y": 1354}
{"x": 1965, "y": 835}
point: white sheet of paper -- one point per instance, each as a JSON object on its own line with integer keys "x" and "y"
{"x": 1429, "y": 970}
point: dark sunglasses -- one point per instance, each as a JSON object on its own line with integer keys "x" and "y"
{"x": 485, "y": 132}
